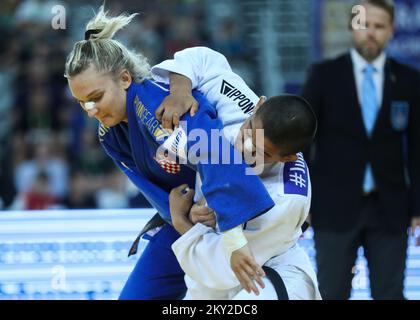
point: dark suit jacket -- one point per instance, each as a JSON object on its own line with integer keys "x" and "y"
{"x": 342, "y": 148}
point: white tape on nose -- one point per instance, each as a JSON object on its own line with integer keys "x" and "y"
{"x": 89, "y": 105}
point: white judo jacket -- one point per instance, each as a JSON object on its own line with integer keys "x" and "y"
{"x": 272, "y": 236}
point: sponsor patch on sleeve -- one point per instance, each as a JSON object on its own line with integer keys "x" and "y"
{"x": 295, "y": 177}
{"x": 233, "y": 93}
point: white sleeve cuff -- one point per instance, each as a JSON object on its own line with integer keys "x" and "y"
{"x": 191, "y": 235}
{"x": 160, "y": 72}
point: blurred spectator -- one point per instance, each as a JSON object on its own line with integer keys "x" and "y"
{"x": 8, "y": 73}
{"x": 143, "y": 36}
{"x": 38, "y": 114}
{"x": 182, "y": 35}
{"x": 45, "y": 158}
{"x": 35, "y": 11}
{"x": 228, "y": 40}
{"x": 7, "y": 21}
{"x": 80, "y": 195}
{"x": 90, "y": 157}
{"x": 38, "y": 196}
{"x": 365, "y": 160}
{"x": 113, "y": 193}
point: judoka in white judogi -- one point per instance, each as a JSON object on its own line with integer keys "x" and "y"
{"x": 272, "y": 236}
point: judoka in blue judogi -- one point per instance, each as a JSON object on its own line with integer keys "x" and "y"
{"x": 234, "y": 196}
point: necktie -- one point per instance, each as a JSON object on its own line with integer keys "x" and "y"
{"x": 370, "y": 109}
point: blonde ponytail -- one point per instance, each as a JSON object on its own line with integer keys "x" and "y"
{"x": 105, "y": 53}
{"x": 108, "y": 25}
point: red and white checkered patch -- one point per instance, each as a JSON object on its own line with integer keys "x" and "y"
{"x": 168, "y": 165}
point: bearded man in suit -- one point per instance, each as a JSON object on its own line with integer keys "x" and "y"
{"x": 365, "y": 161}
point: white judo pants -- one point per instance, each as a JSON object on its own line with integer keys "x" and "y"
{"x": 294, "y": 268}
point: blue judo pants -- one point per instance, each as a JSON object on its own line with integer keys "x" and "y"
{"x": 157, "y": 275}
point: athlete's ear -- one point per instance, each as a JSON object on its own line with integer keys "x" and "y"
{"x": 125, "y": 78}
{"x": 260, "y": 103}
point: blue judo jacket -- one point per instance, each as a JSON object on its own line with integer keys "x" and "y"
{"x": 234, "y": 196}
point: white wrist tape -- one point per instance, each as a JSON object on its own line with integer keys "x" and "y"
{"x": 233, "y": 239}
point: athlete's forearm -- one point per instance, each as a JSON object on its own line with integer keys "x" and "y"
{"x": 180, "y": 84}
{"x": 181, "y": 224}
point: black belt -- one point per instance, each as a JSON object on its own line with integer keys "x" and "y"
{"x": 304, "y": 226}
{"x": 153, "y": 223}
{"x": 277, "y": 282}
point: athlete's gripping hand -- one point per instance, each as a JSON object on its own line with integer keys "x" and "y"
{"x": 200, "y": 213}
{"x": 180, "y": 202}
{"x": 247, "y": 270}
{"x": 173, "y": 107}
{"x": 177, "y": 103}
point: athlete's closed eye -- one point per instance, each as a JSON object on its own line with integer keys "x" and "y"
{"x": 97, "y": 99}
{"x": 94, "y": 96}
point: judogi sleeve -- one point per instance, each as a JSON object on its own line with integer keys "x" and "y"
{"x": 203, "y": 257}
{"x": 235, "y": 195}
{"x": 211, "y": 74}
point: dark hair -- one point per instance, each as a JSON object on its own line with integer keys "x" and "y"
{"x": 289, "y": 123}
{"x": 387, "y": 5}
